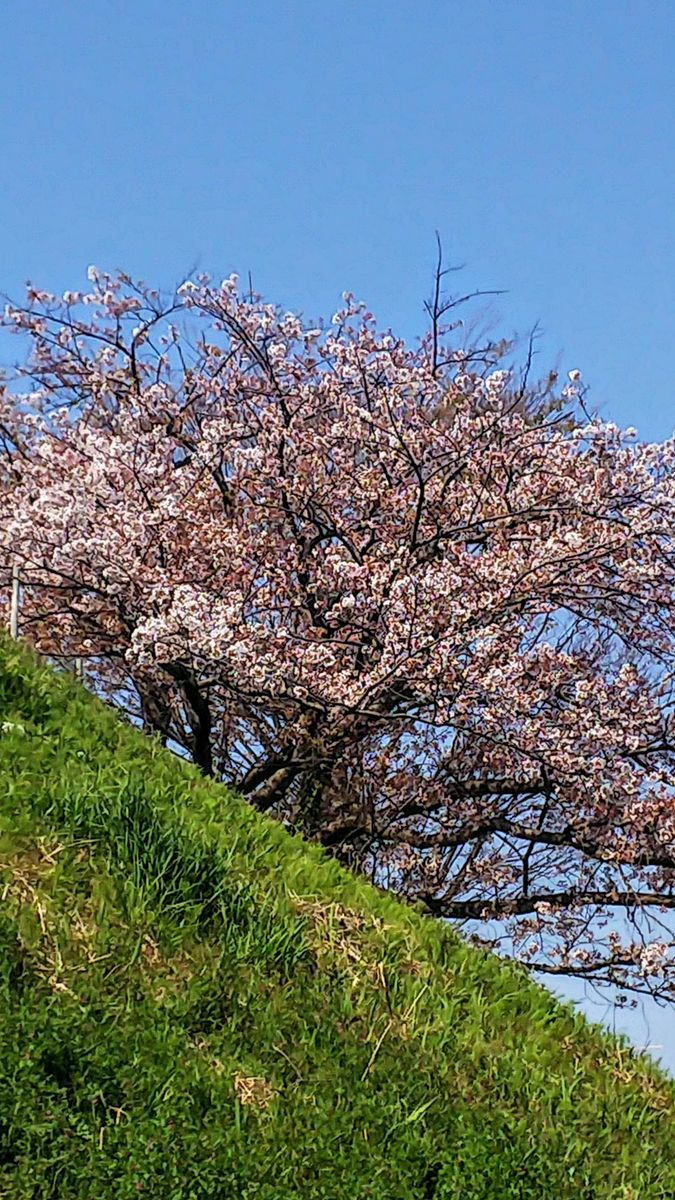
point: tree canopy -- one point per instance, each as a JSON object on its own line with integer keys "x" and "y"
{"x": 402, "y": 597}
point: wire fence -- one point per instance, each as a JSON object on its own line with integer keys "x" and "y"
{"x": 76, "y": 663}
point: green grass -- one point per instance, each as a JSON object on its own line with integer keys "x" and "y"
{"x": 194, "y": 1004}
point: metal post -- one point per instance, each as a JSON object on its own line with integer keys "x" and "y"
{"x": 79, "y": 669}
{"x": 14, "y": 604}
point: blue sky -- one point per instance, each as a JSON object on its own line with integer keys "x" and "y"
{"x": 320, "y": 146}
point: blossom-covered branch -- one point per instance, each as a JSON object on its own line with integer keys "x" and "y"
{"x": 404, "y": 598}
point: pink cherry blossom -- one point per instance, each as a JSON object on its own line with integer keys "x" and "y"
{"x": 403, "y": 601}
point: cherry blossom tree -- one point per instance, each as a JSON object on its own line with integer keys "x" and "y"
{"x": 402, "y": 598}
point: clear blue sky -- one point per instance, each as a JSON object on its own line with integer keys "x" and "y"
{"x": 319, "y": 146}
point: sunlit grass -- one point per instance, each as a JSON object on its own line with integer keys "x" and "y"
{"x": 195, "y": 1004}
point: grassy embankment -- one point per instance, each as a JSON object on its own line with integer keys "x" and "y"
{"x": 194, "y": 1004}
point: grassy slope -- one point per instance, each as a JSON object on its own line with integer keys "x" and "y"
{"x": 194, "y": 1004}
